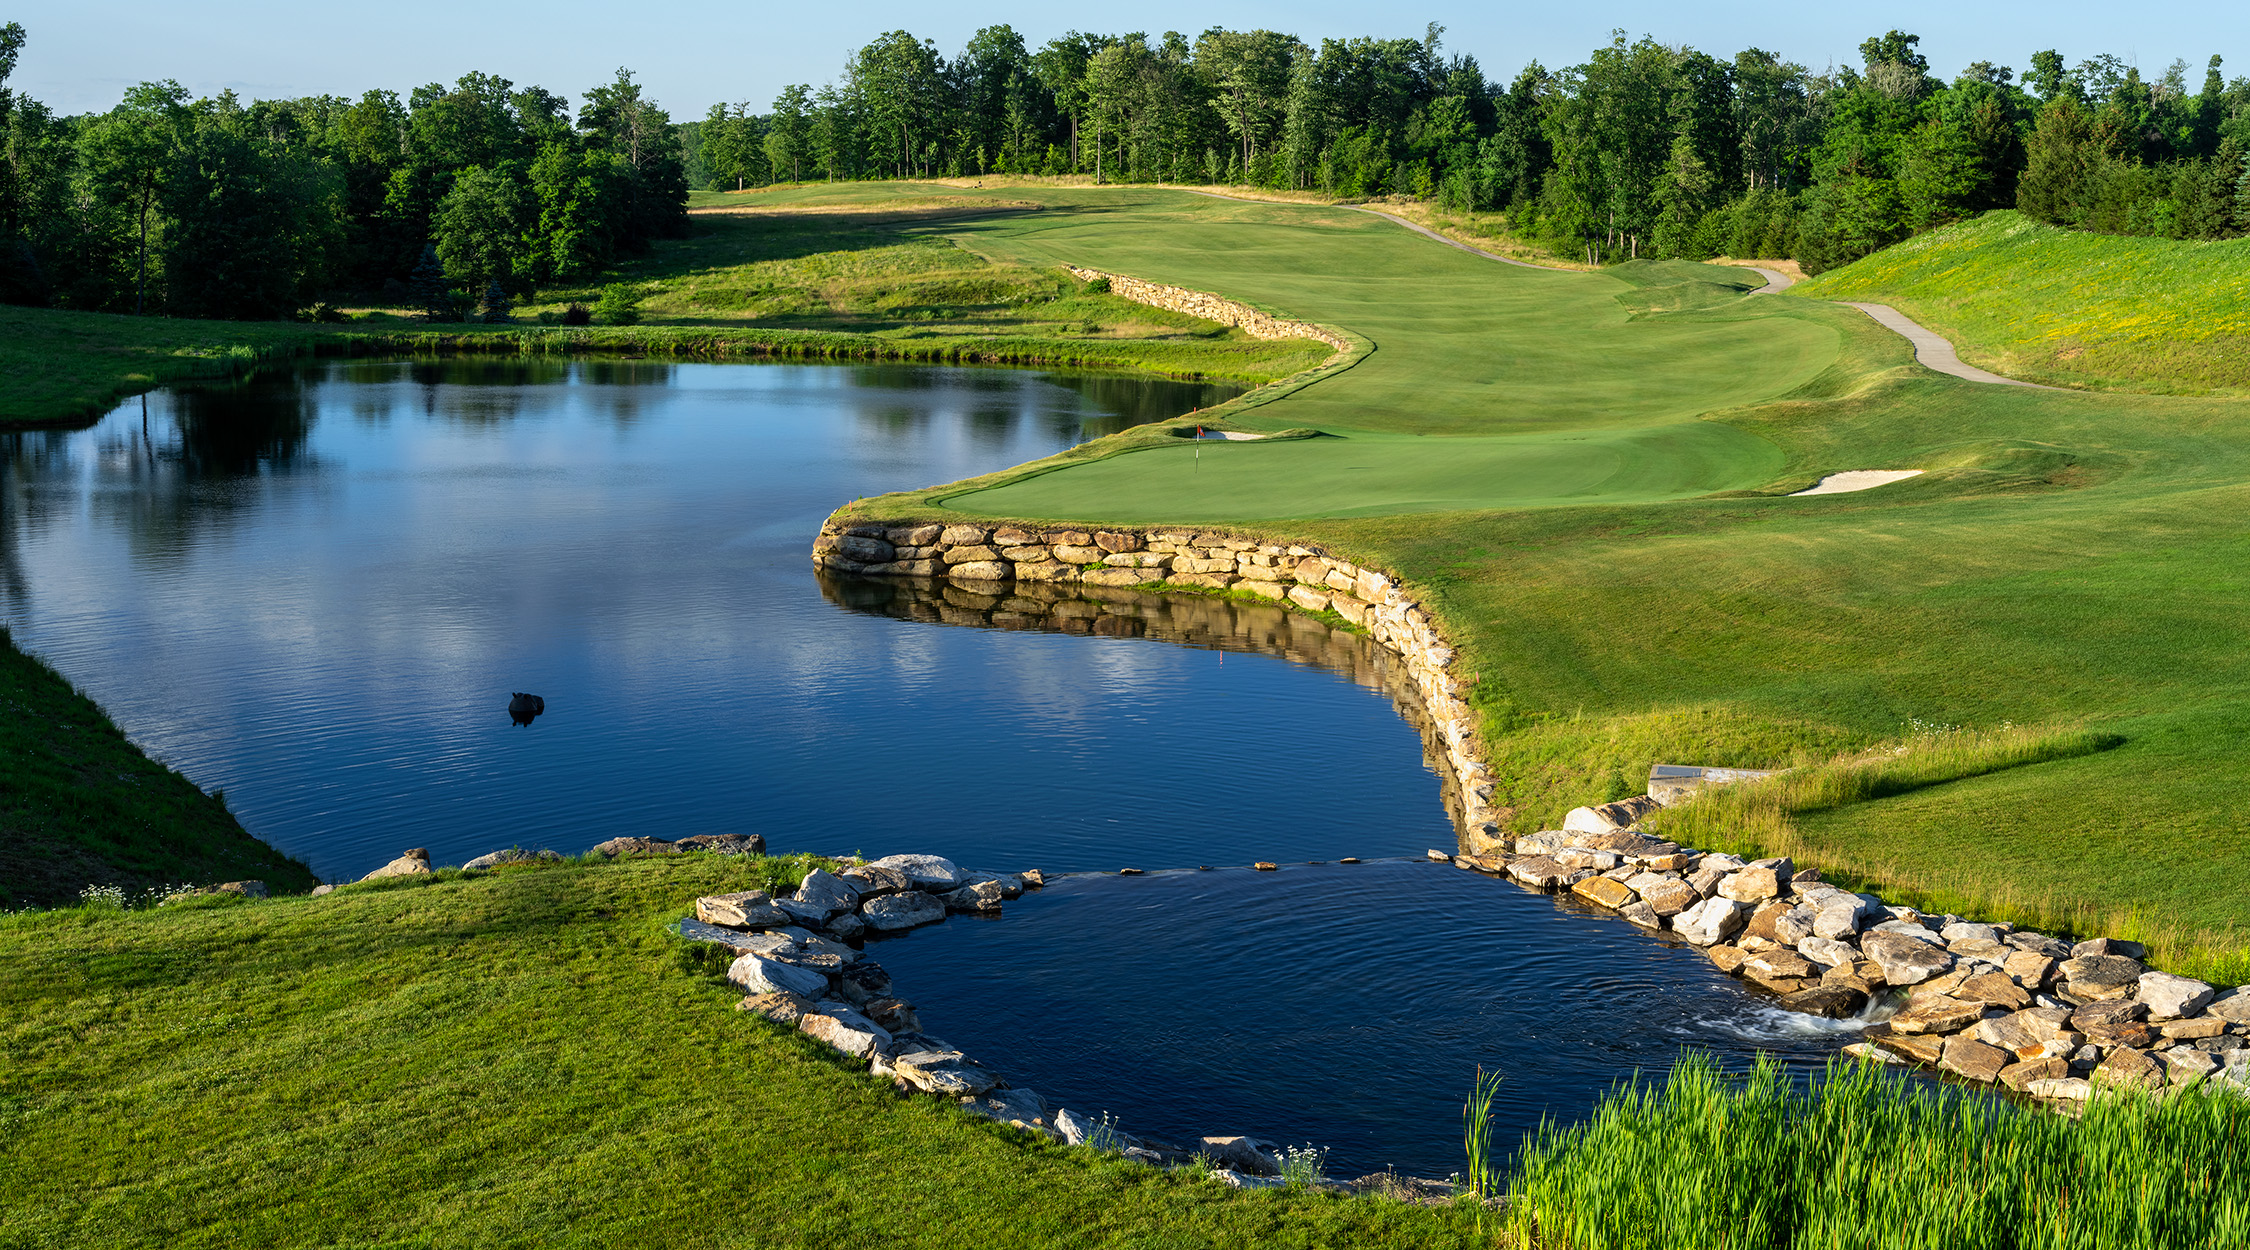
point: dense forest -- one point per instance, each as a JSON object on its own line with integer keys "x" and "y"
{"x": 482, "y": 191}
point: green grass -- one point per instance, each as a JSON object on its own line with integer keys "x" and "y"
{"x": 1867, "y": 1158}
{"x": 519, "y": 1059}
{"x": 2066, "y": 307}
{"x": 2067, "y": 559}
{"x": 80, "y": 805}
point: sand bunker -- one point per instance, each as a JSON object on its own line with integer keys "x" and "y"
{"x": 1857, "y": 479}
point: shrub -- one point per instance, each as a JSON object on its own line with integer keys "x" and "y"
{"x": 620, "y": 305}
{"x": 577, "y": 315}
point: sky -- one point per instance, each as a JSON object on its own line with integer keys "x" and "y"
{"x": 82, "y": 54}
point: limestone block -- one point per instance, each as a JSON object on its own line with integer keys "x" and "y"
{"x": 866, "y": 550}
{"x": 964, "y": 535}
{"x": 1027, "y": 554}
{"x": 1046, "y": 572}
{"x": 915, "y": 535}
{"x": 1904, "y": 960}
{"x": 1216, "y": 581}
{"x": 760, "y": 974}
{"x": 1119, "y": 577}
{"x": 982, "y": 571}
{"x": 1971, "y": 1058}
{"x": 1070, "y": 538}
{"x": 1271, "y": 590}
{"x": 2170, "y": 997}
{"x": 1016, "y": 536}
{"x": 1309, "y": 599}
{"x": 1604, "y": 891}
{"x": 1711, "y": 921}
{"x": 1201, "y": 564}
{"x": 1353, "y": 610}
{"x": 1118, "y": 541}
{"x": 1069, "y": 554}
{"x": 1138, "y": 560}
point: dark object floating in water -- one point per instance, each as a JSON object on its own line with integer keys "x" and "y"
{"x": 522, "y": 708}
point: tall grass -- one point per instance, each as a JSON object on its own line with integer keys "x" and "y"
{"x": 1873, "y": 1160}
{"x": 1482, "y": 1180}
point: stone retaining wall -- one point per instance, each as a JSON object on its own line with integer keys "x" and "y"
{"x": 992, "y": 559}
{"x": 1211, "y": 308}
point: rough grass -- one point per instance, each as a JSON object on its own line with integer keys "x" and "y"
{"x": 81, "y": 806}
{"x": 1867, "y": 1158}
{"x": 525, "y": 1058}
{"x": 2067, "y": 307}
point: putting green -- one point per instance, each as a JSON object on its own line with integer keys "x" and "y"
{"x": 1489, "y": 385}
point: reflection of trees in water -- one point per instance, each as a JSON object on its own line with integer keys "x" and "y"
{"x": 163, "y": 472}
{"x": 996, "y": 403}
{"x": 486, "y": 391}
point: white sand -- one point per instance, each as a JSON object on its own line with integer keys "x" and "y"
{"x": 1857, "y": 479}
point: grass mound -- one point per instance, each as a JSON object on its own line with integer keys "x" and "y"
{"x": 2066, "y": 307}
{"x": 524, "y": 1058}
{"x": 80, "y": 805}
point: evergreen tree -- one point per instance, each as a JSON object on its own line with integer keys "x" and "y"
{"x": 496, "y": 305}
{"x": 427, "y": 287}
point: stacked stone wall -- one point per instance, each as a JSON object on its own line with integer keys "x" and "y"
{"x": 992, "y": 558}
{"x": 1211, "y": 308}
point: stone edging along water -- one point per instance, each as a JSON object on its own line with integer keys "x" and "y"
{"x": 1984, "y": 1002}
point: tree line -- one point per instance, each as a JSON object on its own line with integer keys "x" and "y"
{"x": 1646, "y": 149}
{"x": 214, "y": 207}
{"x": 217, "y": 208}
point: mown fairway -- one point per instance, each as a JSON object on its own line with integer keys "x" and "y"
{"x": 2068, "y": 558}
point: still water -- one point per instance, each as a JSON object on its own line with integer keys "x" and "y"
{"x": 316, "y": 592}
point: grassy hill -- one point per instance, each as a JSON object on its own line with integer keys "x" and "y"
{"x": 80, "y": 805}
{"x": 2069, "y": 308}
{"x": 520, "y": 1059}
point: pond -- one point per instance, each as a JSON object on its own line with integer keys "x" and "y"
{"x": 317, "y": 590}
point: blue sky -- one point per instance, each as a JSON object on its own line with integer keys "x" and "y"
{"x": 693, "y": 53}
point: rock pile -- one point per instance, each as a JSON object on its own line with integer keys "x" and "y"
{"x": 1986, "y": 1002}
{"x": 997, "y": 559}
{"x": 1211, "y": 307}
{"x": 793, "y": 964}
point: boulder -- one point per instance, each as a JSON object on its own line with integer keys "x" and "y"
{"x": 1904, "y": 960}
{"x": 946, "y": 1073}
{"x": 2019, "y": 1076}
{"x": 2126, "y": 1067}
{"x": 2186, "y": 1064}
{"x": 2029, "y": 969}
{"x": 2025, "y": 1032}
{"x": 512, "y": 855}
{"x": 1918, "y": 1047}
{"x": 1580, "y": 857}
{"x": 2061, "y": 1089}
{"x": 1007, "y": 1104}
{"x": 1751, "y": 885}
{"x": 847, "y": 1030}
{"x": 323, "y": 888}
{"x": 634, "y": 846}
{"x": 1993, "y": 989}
{"x": 2089, "y": 978}
{"x": 1966, "y": 1056}
{"x": 927, "y": 872}
{"x": 1609, "y": 816}
{"x": 1937, "y": 1015}
{"x": 1794, "y": 926}
{"x": 1836, "y": 1002}
{"x": 1642, "y": 915}
{"x": 1011, "y": 884}
{"x": 782, "y": 1009}
{"x": 412, "y": 863}
{"x": 750, "y": 909}
{"x": 847, "y": 927}
{"x": 2195, "y": 1029}
{"x": 982, "y": 896}
{"x": 740, "y": 941}
{"x": 1962, "y": 931}
{"x": 1669, "y": 898}
{"x": 866, "y": 980}
{"x": 240, "y": 889}
{"x": 1540, "y": 872}
{"x": 1781, "y": 964}
{"x": 895, "y": 1014}
{"x": 1603, "y": 891}
{"x": 1982, "y": 949}
{"x": 893, "y": 913}
{"x": 1827, "y": 952}
{"x": 1242, "y": 1180}
{"x": 1081, "y": 1130}
{"x": 873, "y": 882}
{"x": 2232, "y": 1006}
{"x": 2038, "y": 944}
{"x": 802, "y": 914}
{"x": 1727, "y": 958}
{"x": 1909, "y": 929}
{"x": 725, "y": 843}
{"x": 1711, "y": 921}
{"x": 1243, "y": 1154}
{"x": 1839, "y": 918}
{"x": 2170, "y": 997}
{"x": 2110, "y": 946}
{"x": 827, "y": 893}
{"x": 763, "y": 974}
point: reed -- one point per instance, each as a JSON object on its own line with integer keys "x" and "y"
{"x": 1482, "y": 1177}
{"x": 1866, "y": 1159}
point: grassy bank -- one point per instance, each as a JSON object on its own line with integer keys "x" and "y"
{"x": 520, "y": 1059}
{"x": 2066, "y": 307}
{"x": 80, "y": 805}
{"x": 1869, "y": 1158}
{"x": 1585, "y": 476}
{"x": 870, "y": 277}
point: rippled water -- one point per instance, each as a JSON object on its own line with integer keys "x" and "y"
{"x": 317, "y": 591}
